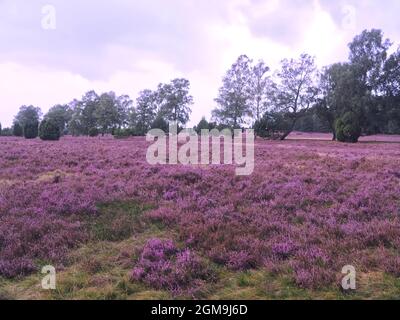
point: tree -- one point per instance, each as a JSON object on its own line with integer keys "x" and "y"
{"x": 160, "y": 123}
{"x": 7, "y": 132}
{"x": 235, "y": 98}
{"x": 348, "y": 128}
{"x": 294, "y": 90}
{"x": 31, "y": 130}
{"x": 107, "y": 113}
{"x": 49, "y": 130}
{"x": 338, "y": 93}
{"x": 272, "y": 125}
{"x": 61, "y": 115}
{"x": 390, "y": 86}
{"x": 174, "y": 101}
{"x": 18, "y": 131}
{"x": 28, "y": 115}
{"x": 145, "y": 111}
{"x": 260, "y": 83}
{"x": 204, "y": 125}
{"x": 0, "y": 129}
{"x": 368, "y": 53}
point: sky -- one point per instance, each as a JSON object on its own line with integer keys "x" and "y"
{"x": 52, "y": 52}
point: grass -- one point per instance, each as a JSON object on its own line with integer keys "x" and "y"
{"x": 101, "y": 268}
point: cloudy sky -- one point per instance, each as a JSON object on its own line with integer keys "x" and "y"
{"x": 54, "y": 51}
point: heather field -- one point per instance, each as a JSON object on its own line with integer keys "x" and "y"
{"x": 116, "y": 227}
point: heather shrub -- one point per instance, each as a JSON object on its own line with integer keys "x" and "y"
{"x": 348, "y": 128}
{"x": 162, "y": 265}
{"x": 49, "y": 130}
{"x": 31, "y": 130}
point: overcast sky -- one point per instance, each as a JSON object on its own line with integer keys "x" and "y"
{"x": 53, "y": 54}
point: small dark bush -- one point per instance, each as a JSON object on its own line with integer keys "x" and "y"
{"x": 93, "y": 132}
{"x": 348, "y": 128}
{"x": 31, "y": 130}
{"x": 49, "y": 130}
{"x": 122, "y": 133}
{"x": 160, "y": 123}
{"x": 18, "y": 130}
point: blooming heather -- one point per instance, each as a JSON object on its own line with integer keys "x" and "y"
{"x": 310, "y": 207}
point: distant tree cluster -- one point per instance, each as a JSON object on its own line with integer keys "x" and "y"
{"x": 108, "y": 114}
{"x": 358, "y": 97}
{"x": 348, "y": 99}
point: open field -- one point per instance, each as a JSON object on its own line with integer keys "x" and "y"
{"x": 116, "y": 227}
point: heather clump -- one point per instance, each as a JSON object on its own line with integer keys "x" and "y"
{"x": 162, "y": 265}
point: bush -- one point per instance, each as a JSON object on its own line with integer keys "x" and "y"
{"x": 271, "y": 126}
{"x": 122, "y": 133}
{"x": 160, "y": 123}
{"x": 31, "y": 130}
{"x": 93, "y": 132}
{"x": 7, "y": 132}
{"x": 348, "y": 128}
{"x": 17, "y": 130}
{"x": 49, "y": 130}
{"x": 162, "y": 265}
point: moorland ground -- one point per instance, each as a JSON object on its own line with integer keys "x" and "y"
{"x": 116, "y": 227}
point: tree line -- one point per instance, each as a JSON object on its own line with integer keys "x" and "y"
{"x": 348, "y": 99}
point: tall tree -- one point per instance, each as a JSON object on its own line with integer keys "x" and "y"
{"x": 175, "y": 100}
{"x": 368, "y": 53}
{"x": 28, "y": 115}
{"x": 338, "y": 93}
{"x": 146, "y": 111}
{"x": 61, "y": 115}
{"x": 235, "y": 98}
{"x": 294, "y": 90}
{"x": 260, "y": 82}
{"x": 106, "y": 112}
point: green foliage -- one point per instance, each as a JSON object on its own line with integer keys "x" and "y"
{"x": 93, "y": 132}
{"x": 61, "y": 115}
{"x": 235, "y": 97}
{"x": 175, "y": 100}
{"x": 160, "y": 123}
{"x": 31, "y": 130}
{"x": 204, "y": 125}
{"x": 121, "y": 133}
{"x": 18, "y": 131}
{"x": 28, "y": 114}
{"x": 7, "y": 132}
{"x": 49, "y": 130}
{"x": 145, "y": 112}
{"x": 348, "y": 128}
{"x": 271, "y": 126}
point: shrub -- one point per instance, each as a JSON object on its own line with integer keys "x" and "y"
{"x": 271, "y": 126}
{"x": 93, "y": 132}
{"x": 160, "y": 123}
{"x": 122, "y": 133}
{"x": 163, "y": 266}
{"x": 31, "y": 130}
{"x": 203, "y": 125}
{"x": 17, "y": 130}
{"x": 7, "y": 132}
{"x": 348, "y": 128}
{"x": 49, "y": 130}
